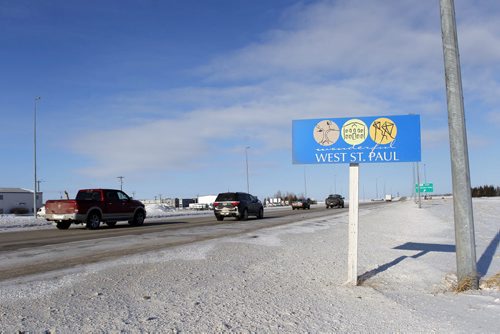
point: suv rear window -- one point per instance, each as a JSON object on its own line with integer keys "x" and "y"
{"x": 227, "y": 197}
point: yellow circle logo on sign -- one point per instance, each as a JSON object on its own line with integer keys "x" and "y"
{"x": 354, "y": 131}
{"x": 383, "y": 131}
{"x": 326, "y": 133}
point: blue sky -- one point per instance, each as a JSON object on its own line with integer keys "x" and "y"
{"x": 169, "y": 93}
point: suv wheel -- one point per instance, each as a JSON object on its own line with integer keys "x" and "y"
{"x": 219, "y": 217}
{"x": 138, "y": 219}
{"x": 244, "y": 215}
{"x": 261, "y": 213}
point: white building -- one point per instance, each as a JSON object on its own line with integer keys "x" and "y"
{"x": 20, "y": 199}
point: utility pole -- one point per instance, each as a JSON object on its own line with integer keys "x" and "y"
{"x": 34, "y": 159}
{"x": 419, "y": 194}
{"x": 414, "y": 190}
{"x": 425, "y": 174}
{"x": 305, "y": 183}
{"x": 38, "y": 185}
{"x": 462, "y": 198}
{"x": 121, "y": 181}
{"x": 246, "y": 159}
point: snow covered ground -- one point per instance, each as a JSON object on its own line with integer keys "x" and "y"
{"x": 287, "y": 279}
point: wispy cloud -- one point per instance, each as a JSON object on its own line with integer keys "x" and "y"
{"x": 328, "y": 59}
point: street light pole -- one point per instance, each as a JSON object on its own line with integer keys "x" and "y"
{"x": 305, "y": 183}
{"x": 462, "y": 197}
{"x": 246, "y": 159}
{"x": 34, "y": 159}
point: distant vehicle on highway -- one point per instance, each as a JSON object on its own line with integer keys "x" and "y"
{"x": 239, "y": 205}
{"x": 302, "y": 203}
{"x": 334, "y": 201}
{"x": 93, "y": 206}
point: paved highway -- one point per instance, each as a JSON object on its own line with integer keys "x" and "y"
{"x": 42, "y": 251}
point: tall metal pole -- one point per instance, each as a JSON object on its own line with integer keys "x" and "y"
{"x": 419, "y": 193}
{"x": 425, "y": 174}
{"x": 34, "y": 159}
{"x": 305, "y": 183}
{"x": 414, "y": 190}
{"x": 462, "y": 198}
{"x": 246, "y": 159}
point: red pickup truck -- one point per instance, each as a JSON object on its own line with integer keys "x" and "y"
{"x": 91, "y": 206}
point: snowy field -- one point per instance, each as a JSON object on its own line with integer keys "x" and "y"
{"x": 288, "y": 279}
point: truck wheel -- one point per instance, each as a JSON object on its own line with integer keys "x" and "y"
{"x": 93, "y": 221}
{"x": 138, "y": 218}
{"x": 64, "y": 225}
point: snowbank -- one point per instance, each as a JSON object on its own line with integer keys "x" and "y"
{"x": 287, "y": 279}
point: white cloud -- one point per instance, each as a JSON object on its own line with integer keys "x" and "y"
{"x": 173, "y": 143}
{"x": 435, "y": 138}
{"x": 339, "y": 38}
{"x": 329, "y": 59}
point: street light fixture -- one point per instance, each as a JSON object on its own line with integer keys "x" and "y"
{"x": 34, "y": 159}
{"x": 246, "y": 159}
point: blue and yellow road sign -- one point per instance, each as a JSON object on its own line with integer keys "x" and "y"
{"x": 356, "y": 140}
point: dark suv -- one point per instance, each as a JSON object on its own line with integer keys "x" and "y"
{"x": 334, "y": 201}
{"x": 238, "y": 205}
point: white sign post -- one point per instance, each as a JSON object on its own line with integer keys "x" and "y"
{"x": 352, "y": 261}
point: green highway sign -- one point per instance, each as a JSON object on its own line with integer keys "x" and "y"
{"x": 425, "y": 188}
